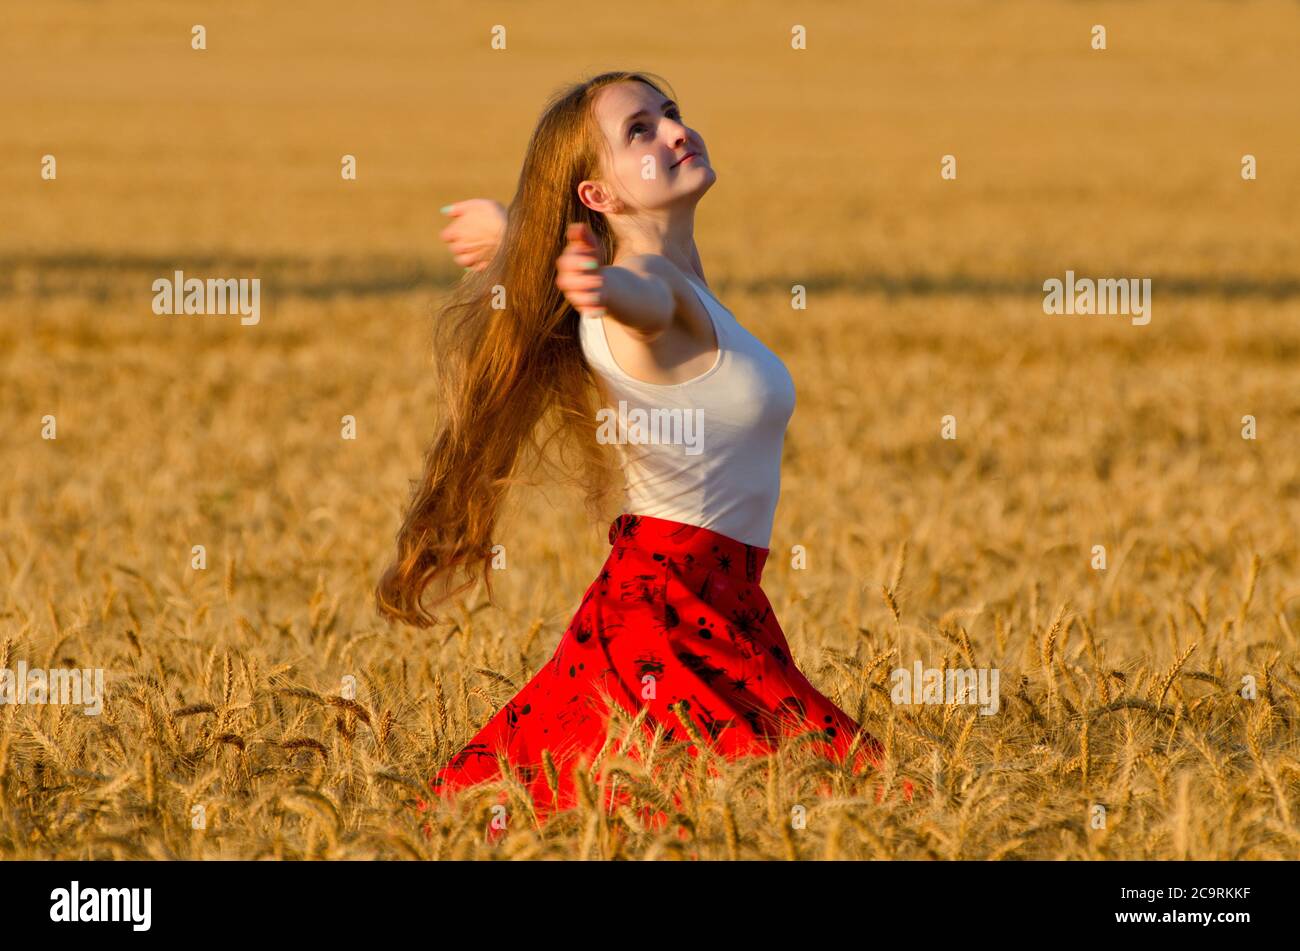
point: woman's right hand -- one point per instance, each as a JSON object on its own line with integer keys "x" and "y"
{"x": 578, "y": 271}
{"x": 475, "y": 231}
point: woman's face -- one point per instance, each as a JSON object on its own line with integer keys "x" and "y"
{"x": 648, "y": 165}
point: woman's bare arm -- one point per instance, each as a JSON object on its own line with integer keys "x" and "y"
{"x": 638, "y": 293}
{"x": 475, "y": 231}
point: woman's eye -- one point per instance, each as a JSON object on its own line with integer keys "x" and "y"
{"x": 632, "y": 132}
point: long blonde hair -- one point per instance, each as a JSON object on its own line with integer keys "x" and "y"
{"x": 508, "y": 374}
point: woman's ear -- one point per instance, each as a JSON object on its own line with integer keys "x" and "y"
{"x": 598, "y": 197}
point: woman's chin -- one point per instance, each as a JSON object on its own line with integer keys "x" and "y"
{"x": 706, "y": 182}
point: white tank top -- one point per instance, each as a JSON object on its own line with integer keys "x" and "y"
{"x": 706, "y": 451}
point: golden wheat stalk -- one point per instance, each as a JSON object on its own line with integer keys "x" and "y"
{"x": 1173, "y": 672}
{"x": 1251, "y": 577}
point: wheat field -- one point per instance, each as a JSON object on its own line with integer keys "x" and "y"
{"x": 1127, "y": 727}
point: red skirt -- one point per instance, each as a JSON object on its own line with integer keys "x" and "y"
{"x": 676, "y": 618}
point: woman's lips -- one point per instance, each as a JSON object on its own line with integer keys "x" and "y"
{"x": 688, "y": 158}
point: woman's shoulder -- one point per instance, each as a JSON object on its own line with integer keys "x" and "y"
{"x": 685, "y": 287}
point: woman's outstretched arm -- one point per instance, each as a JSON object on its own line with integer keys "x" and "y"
{"x": 637, "y": 293}
{"x": 475, "y": 231}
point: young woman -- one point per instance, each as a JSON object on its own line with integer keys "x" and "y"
{"x": 601, "y": 302}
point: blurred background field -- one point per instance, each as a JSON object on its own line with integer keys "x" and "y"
{"x": 924, "y": 300}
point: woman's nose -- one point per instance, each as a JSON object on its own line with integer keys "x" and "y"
{"x": 679, "y": 134}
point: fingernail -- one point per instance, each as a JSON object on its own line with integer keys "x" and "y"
{"x": 445, "y": 209}
{"x": 589, "y": 264}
